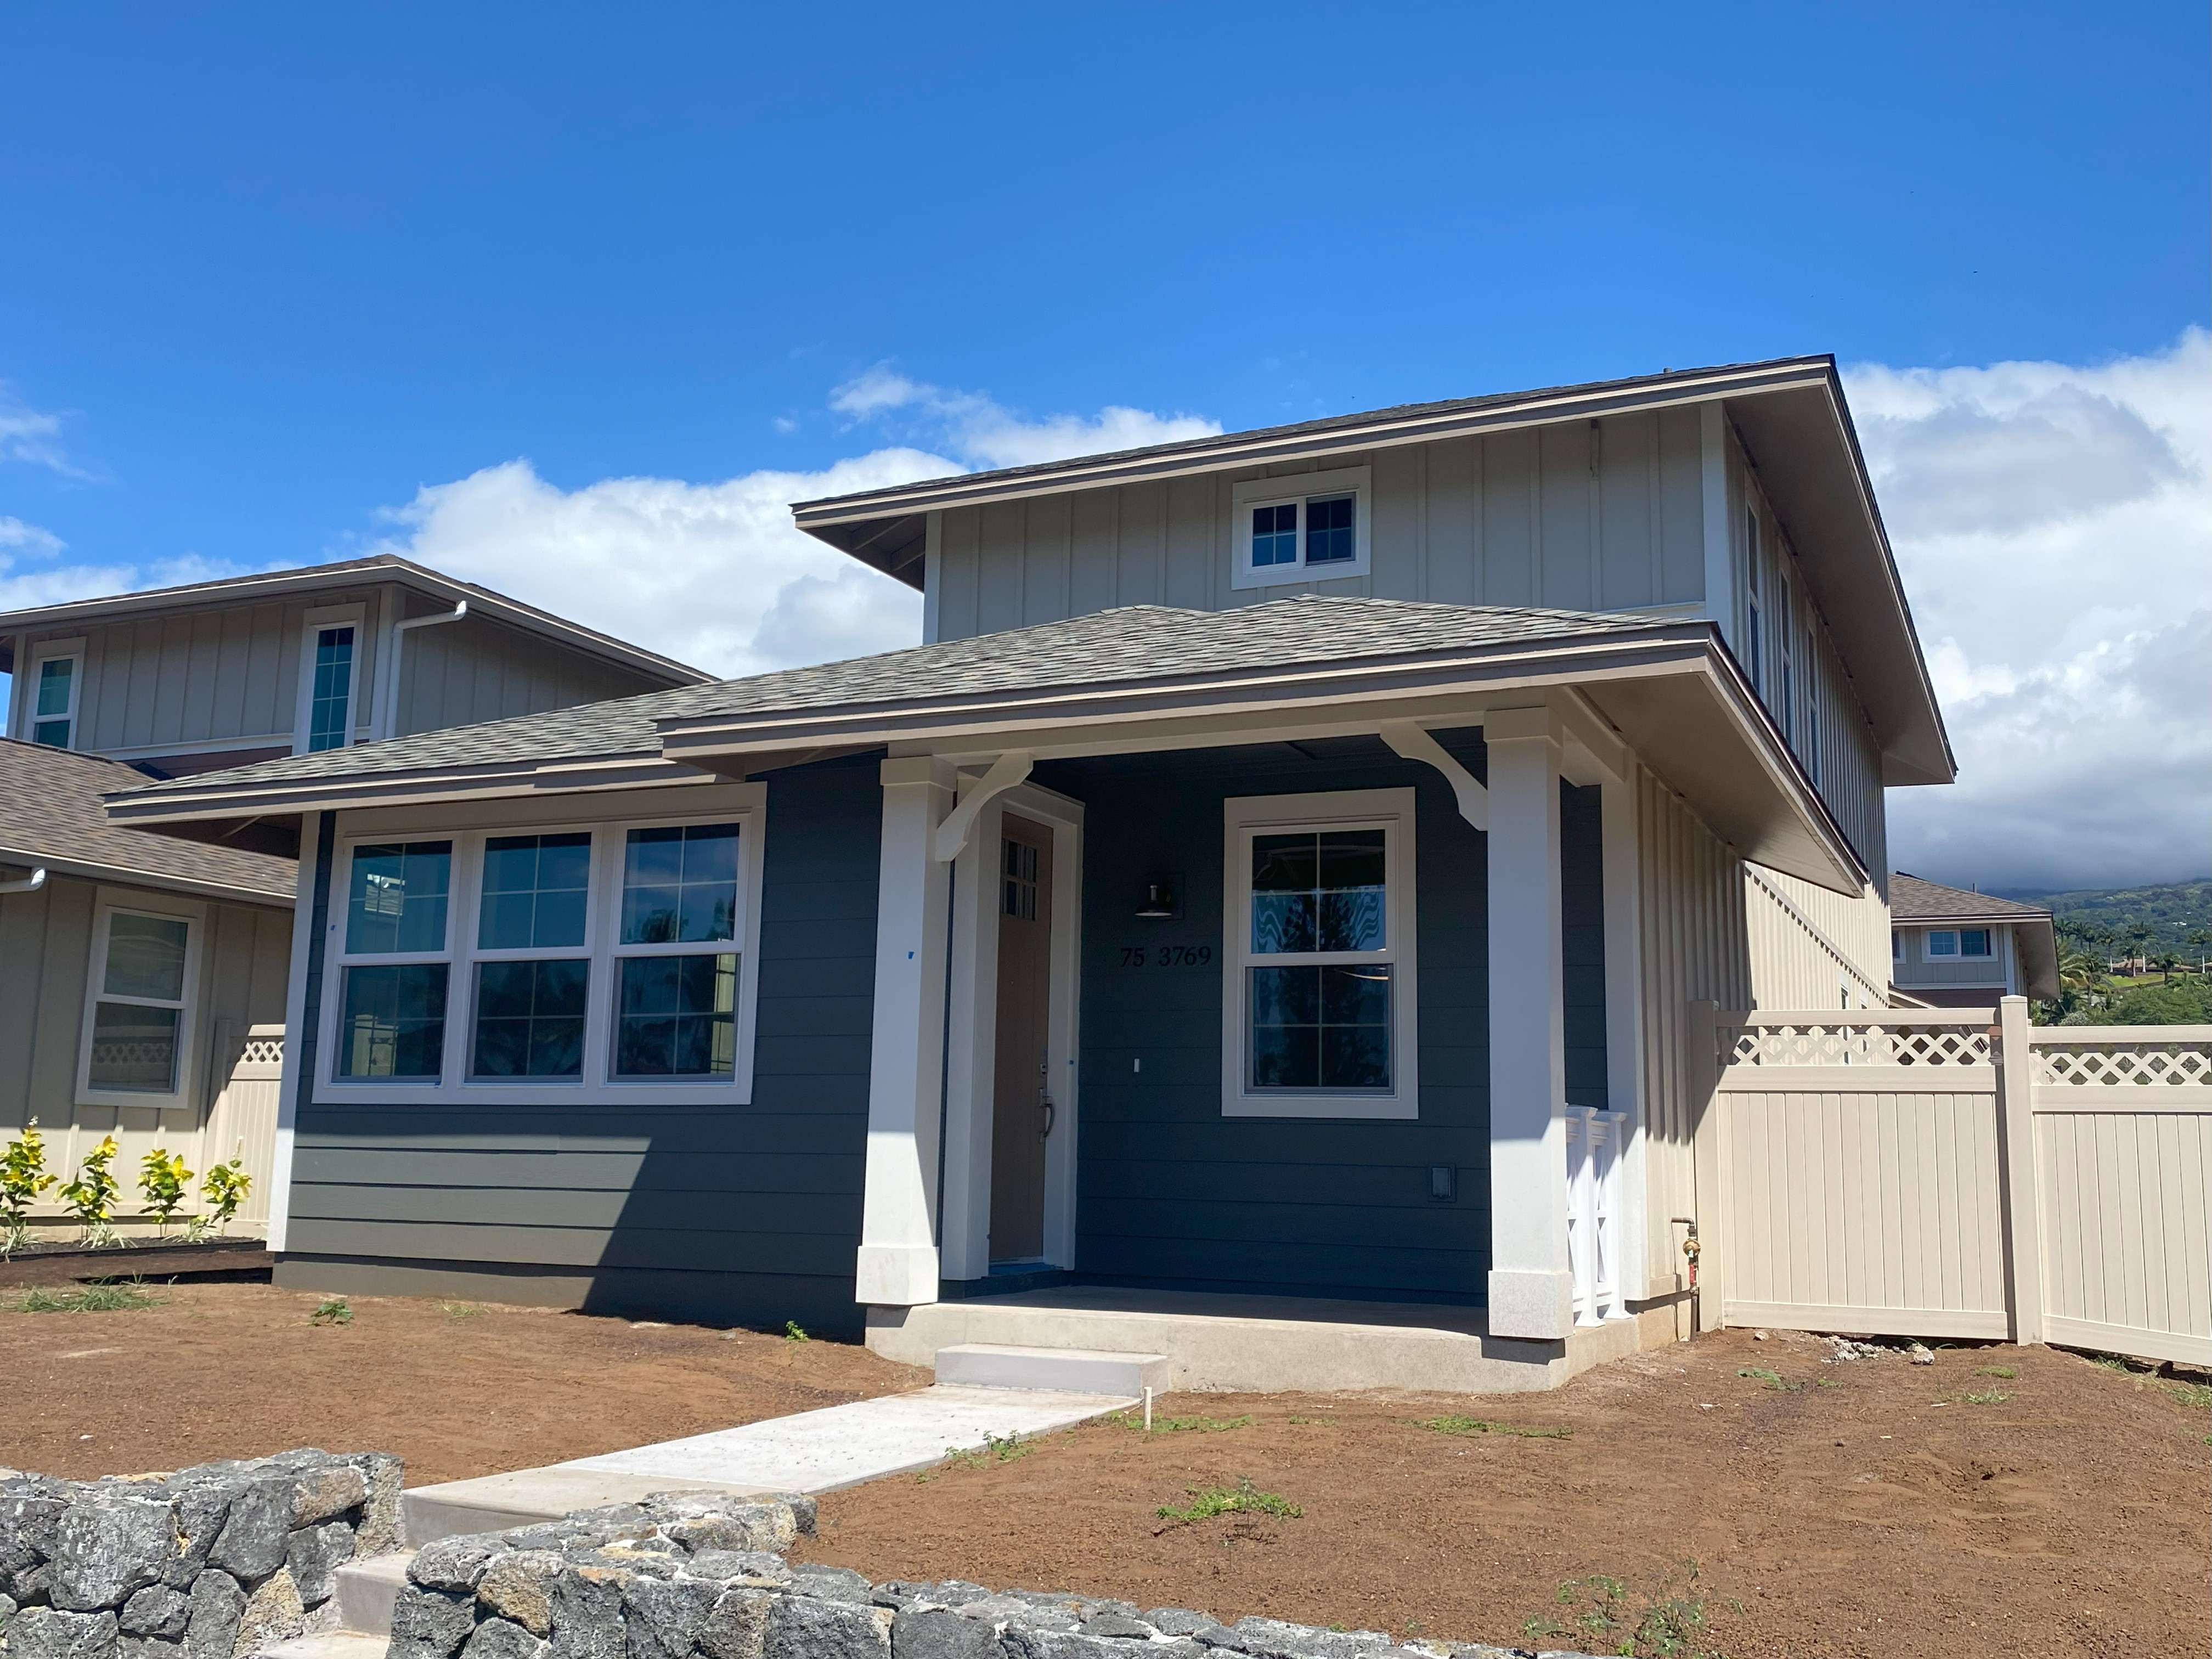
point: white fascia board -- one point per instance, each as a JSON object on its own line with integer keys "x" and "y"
{"x": 1386, "y": 430}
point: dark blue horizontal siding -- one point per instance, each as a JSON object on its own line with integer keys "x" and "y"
{"x": 748, "y": 1214}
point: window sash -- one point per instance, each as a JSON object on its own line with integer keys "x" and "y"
{"x": 56, "y": 727}
{"x": 1251, "y": 961}
{"x": 1975, "y": 942}
{"x": 1943, "y": 942}
{"x": 138, "y": 1018}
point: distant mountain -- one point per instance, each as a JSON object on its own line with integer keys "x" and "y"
{"x": 2172, "y": 911}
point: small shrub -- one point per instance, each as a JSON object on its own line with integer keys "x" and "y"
{"x": 90, "y": 1199}
{"x": 1659, "y": 1621}
{"x": 1484, "y": 1425}
{"x": 163, "y": 1178}
{"x": 23, "y": 1176}
{"x": 105, "y": 1296}
{"x": 792, "y": 1334}
{"x": 224, "y": 1187}
{"x": 331, "y": 1311}
{"x": 1245, "y": 1499}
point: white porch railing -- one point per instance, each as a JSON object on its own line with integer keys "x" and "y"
{"x": 1594, "y": 1212}
{"x": 1957, "y": 1172}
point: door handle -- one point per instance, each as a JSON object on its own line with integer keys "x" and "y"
{"x": 1051, "y": 1112}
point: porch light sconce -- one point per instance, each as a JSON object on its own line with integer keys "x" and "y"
{"x": 1159, "y": 901}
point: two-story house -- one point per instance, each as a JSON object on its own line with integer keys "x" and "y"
{"x": 1271, "y": 895}
{"x": 142, "y": 976}
{"x": 1954, "y": 948}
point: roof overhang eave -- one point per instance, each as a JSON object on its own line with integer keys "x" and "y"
{"x": 430, "y": 583}
{"x": 154, "y": 807}
{"x": 1748, "y": 786}
{"x": 124, "y": 875}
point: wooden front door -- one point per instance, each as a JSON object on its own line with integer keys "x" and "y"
{"x": 1022, "y": 1110}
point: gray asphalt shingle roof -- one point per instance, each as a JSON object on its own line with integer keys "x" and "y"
{"x": 1134, "y": 644}
{"x": 51, "y": 813}
{"x": 1912, "y": 899}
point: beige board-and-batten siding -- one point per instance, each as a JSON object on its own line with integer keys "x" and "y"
{"x": 228, "y": 1105}
{"x": 1959, "y": 1174}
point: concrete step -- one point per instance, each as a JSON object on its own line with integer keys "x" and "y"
{"x": 522, "y": 1497}
{"x": 334, "y": 1644}
{"x": 367, "y": 1590}
{"x": 1071, "y": 1370}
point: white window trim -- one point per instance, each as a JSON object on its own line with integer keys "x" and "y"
{"x": 27, "y": 684}
{"x": 303, "y": 708}
{"x": 596, "y": 1085}
{"x": 109, "y": 902}
{"x": 1243, "y": 818}
{"x": 1357, "y": 482}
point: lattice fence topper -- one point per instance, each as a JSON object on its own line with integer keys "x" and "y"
{"x": 263, "y": 1051}
{"x": 2089, "y": 1063}
{"x": 1862, "y": 1041}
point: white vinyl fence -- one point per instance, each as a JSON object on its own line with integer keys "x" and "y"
{"x": 1958, "y": 1172}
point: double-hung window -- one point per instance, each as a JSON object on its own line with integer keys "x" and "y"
{"x": 676, "y": 1009}
{"x": 56, "y": 687}
{"x": 1305, "y": 526}
{"x": 1318, "y": 997}
{"x": 138, "y": 1020}
{"x": 608, "y": 959}
{"x": 531, "y": 971}
{"x": 396, "y": 961}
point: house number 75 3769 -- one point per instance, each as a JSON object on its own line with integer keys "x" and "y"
{"x": 1167, "y": 956}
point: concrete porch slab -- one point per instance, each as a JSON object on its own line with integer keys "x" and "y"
{"x": 820, "y": 1451}
{"x": 1077, "y": 1371}
{"x": 1232, "y": 1343}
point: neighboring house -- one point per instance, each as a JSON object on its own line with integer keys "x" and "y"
{"x": 143, "y": 977}
{"x": 1950, "y": 948}
{"x": 1289, "y": 857}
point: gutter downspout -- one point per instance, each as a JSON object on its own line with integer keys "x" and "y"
{"x": 387, "y": 725}
{"x": 30, "y": 884}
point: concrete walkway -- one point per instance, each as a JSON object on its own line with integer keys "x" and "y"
{"x": 820, "y": 1451}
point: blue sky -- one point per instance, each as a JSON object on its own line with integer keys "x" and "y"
{"x": 275, "y": 277}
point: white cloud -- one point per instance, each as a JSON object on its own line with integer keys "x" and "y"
{"x": 985, "y": 433}
{"x": 716, "y": 573}
{"x": 2052, "y": 523}
{"x": 31, "y": 436}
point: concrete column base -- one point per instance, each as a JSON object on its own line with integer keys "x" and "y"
{"x": 1534, "y": 1304}
{"x": 897, "y": 1275}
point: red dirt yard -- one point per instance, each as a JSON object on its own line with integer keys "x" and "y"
{"x": 1864, "y": 1508}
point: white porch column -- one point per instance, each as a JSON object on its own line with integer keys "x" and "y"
{"x": 1531, "y": 1285}
{"x": 898, "y": 1265}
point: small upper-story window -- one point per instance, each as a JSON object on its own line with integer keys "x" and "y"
{"x": 1753, "y": 624}
{"x": 1896, "y": 944}
{"x": 330, "y": 678}
{"x": 1300, "y": 527}
{"x": 53, "y": 712}
{"x": 330, "y": 713}
{"x": 1973, "y": 941}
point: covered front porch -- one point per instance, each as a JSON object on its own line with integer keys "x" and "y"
{"x": 1287, "y": 1009}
